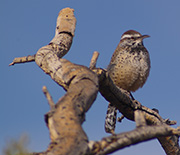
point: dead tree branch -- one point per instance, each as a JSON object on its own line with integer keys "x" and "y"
{"x": 64, "y": 121}
{"x": 49, "y": 98}
{"x": 94, "y": 60}
{"x": 113, "y": 143}
{"x": 65, "y": 118}
{"x": 25, "y": 59}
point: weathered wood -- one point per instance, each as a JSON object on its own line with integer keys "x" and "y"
{"x": 25, "y": 59}
{"x": 115, "y": 142}
{"x": 49, "y": 98}
{"x": 65, "y": 118}
{"x": 67, "y": 135}
{"x": 94, "y": 60}
{"x": 64, "y": 122}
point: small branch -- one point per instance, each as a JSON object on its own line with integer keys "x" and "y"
{"x": 169, "y": 122}
{"x": 94, "y": 60}
{"x": 24, "y": 59}
{"x": 48, "y": 97}
{"x": 113, "y": 143}
{"x": 119, "y": 119}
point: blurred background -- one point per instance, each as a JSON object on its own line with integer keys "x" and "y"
{"x": 28, "y": 25}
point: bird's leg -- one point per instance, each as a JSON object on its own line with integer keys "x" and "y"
{"x": 132, "y": 97}
{"x": 138, "y": 104}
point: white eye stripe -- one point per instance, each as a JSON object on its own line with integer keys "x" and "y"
{"x": 130, "y": 35}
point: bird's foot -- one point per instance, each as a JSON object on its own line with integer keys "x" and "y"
{"x": 137, "y": 104}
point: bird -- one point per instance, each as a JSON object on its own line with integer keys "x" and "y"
{"x": 129, "y": 69}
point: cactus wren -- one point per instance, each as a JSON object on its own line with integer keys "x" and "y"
{"x": 129, "y": 68}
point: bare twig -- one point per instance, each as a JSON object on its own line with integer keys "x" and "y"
{"x": 169, "y": 122}
{"x": 94, "y": 60}
{"x": 24, "y": 59}
{"x": 48, "y": 97}
{"x": 119, "y": 119}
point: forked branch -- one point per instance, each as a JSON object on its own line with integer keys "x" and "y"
{"x": 65, "y": 118}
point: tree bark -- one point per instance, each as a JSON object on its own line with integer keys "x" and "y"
{"x": 82, "y": 84}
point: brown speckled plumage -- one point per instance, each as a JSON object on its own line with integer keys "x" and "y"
{"x": 129, "y": 69}
{"x": 130, "y": 64}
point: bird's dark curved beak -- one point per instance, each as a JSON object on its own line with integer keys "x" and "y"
{"x": 144, "y": 36}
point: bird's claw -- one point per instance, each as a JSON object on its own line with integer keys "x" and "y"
{"x": 137, "y": 104}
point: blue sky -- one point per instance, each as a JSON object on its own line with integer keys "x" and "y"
{"x": 28, "y": 25}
